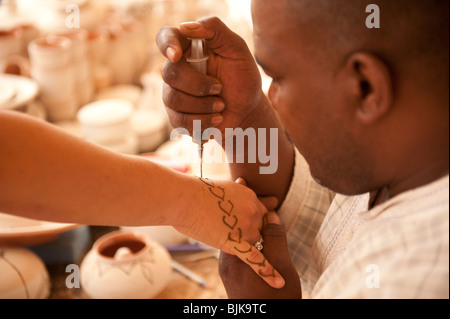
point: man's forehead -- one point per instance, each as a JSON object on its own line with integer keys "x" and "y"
{"x": 274, "y": 30}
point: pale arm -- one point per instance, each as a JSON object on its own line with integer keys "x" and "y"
{"x": 49, "y": 175}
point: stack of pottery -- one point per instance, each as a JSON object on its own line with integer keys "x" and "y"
{"x": 53, "y": 69}
{"x": 59, "y": 15}
{"x": 119, "y": 59}
{"x": 83, "y": 79}
{"x": 10, "y": 43}
{"x": 108, "y": 123}
{"x": 97, "y": 50}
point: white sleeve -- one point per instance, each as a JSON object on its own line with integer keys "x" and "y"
{"x": 302, "y": 213}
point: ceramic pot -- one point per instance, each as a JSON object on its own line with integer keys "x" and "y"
{"x": 125, "y": 265}
{"x": 150, "y": 127}
{"x": 130, "y": 146}
{"x": 50, "y": 52}
{"x": 127, "y": 92}
{"x": 79, "y": 41}
{"x": 119, "y": 59}
{"x": 29, "y": 33}
{"x": 106, "y": 122}
{"x": 23, "y": 275}
{"x": 16, "y": 65}
{"x": 55, "y": 83}
{"x": 64, "y": 109}
{"x": 102, "y": 77}
{"x": 10, "y": 42}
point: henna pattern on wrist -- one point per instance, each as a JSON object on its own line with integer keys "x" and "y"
{"x": 231, "y": 221}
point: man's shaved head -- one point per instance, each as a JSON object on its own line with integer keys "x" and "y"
{"x": 413, "y": 34}
{"x": 366, "y": 107}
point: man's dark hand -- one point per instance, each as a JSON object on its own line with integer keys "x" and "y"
{"x": 242, "y": 283}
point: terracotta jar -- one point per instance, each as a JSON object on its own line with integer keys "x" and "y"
{"x": 125, "y": 265}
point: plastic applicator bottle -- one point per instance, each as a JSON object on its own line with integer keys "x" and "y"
{"x": 199, "y": 61}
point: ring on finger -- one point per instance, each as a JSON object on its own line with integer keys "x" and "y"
{"x": 259, "y": 244}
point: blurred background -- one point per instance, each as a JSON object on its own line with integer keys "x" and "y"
{"x": 92, "y": 68}
{"x": 83, "y": 51}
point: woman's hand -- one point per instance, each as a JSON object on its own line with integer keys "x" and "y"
{"x": 241, "y": 283}
{"x": 229, "y": 216}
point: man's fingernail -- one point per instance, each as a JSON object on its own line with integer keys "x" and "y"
{"x": 218, "y": 106}
{"x": 215, "y": 89}
{"x": 216, "y": 120}
{"x": 191, "y": 25}
{"x": 171, "y": 54}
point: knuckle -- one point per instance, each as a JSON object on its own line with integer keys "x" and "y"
{"x": 169, "y": 72}
{"x": 176, "y": 119}
{"x": 170, "y": 97}
{"x": 255, "y": 255}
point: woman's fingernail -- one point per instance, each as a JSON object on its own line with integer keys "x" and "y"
{"x": 215, "y": 89}
{"x": 279, "y": 282}
{"x": 171, "y": 54}
{"x": 216, "y": 120}
{"x": 218, "y": 106}
{"x": 191, "y": 25}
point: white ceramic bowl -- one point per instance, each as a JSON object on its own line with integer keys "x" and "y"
{"x": 150, "y": 127}
{"x": 164, "y": 235}
{"x": 127, "y": 92}
{"x": 107, "y": 121}
{"x": 129, "y": 146}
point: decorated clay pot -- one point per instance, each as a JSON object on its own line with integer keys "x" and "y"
{"x": 125, "y": 265}
{"x": 23, "y": 275}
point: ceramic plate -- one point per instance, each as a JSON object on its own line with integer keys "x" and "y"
{"x": 25, "y": 89}
{"x": 19, "y": 231}
{"x": 7, "y": 92}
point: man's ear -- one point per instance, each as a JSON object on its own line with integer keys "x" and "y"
{"x": 368, "y": 85}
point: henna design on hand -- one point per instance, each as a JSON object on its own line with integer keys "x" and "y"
{"x": 229, "y": 225}
{"x": 241, "y": 246}
{"x": 234, "y": 240}
{"x": 244, "y": 251}
{"x": 267, "y": 275}
{"x": 221, "y": 197}
{"x": 224, "y": 210}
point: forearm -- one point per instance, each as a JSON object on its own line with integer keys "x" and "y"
{"x": 49, "y": 175}
{"x": 276, "y": 184}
